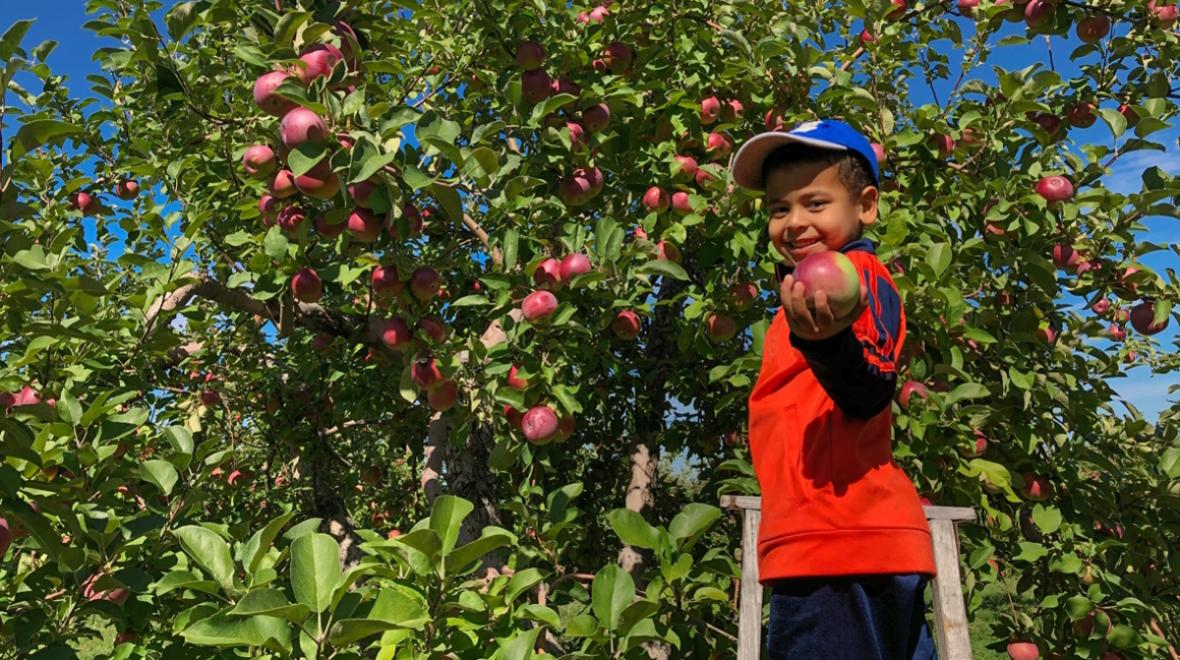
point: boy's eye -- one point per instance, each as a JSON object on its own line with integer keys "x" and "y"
{"x": 815, "y": 204}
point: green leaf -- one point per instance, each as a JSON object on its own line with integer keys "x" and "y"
{"x": 400, "y": 605}
{"x": 1031, "y": 552}
{"x": 1047, "y": 518}
{"x": 210, "y": 551}
{"x": 183, "y": 580}
{"x": 541, "y": 613}
{"x": 635, "y": 612}
{"x": 474, "y": 300}
{"x": 1114, "y": 119}
{"x": 448, "y": 198}
{"x": 38, "y": 132}
{"x": 460, "y": 557}
{"x": 257, "y": 546}
{"x": 632, "y": 529}
{"x": 315, "y": 570}
{"x": 482, "y": 162}
{"x": 663, "y": 267}
{"x": 938, "y": 256}
{"x": 304, "y": 157}
{"x": 520, "y": 647}
{"x": 582, "y": 625}
{"x": 271, "y": 602}
{"x": 180, "y": 438}
{"x": 1163, "y": 308}
{"x": 160, "y": 473}
{"x": 691, "y": 523}
{"x": 511, "y": 246}
{"x": 275, "y": 243}
{"x": 1170, "y": 462}
{"x": 1069, "y": 564}
{"x": 224, "y": 630}
{"x": 966, "y": 391}
{"x": 521, "y": 581}
{"x": 288, "y": 26}
{"x": 1078, "y": 607}
{"x": 425, "y": 541}
{"x": 181, "y": 19}
{"x": 12, "y": 38}
{"x": 446, "y": 516}
{"x": 612, "y": 590}
{"x": 1020, "y": 379}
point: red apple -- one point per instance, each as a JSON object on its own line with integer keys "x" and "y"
{"x": 547, "y": 275}
{"x": 577, "y": 135}
{"x": 328, "y": 229}
{"x": 720, "y": 328}
{"x": 5, "y": 537}
{"x": 443, "y": 397}
{"x": 1101, "y": 306}
{"x": 1036, "y": 487}
{"x": 867, "y": 37}
{"x": 1054, "y": 188}
{"x": 667, "y": 251}
{"x": 681, "y": 203}
{"x": 387, "y": 281}
{"x": 967, "y": 7}
{"x": 259, "y": 161}
{"x": 742, "y": 295}
{"x": 774, "y": 119}
{"x": 1142, "y": 316}
{"x": 710, "y": 110}
{"x": 943, "y": 143}
{"x": 320, "y": 182}
{"x": 306, "y": 286}
{"x": 538, "y": 306}
{"x": 565, "y": 428}
{"x": 1116, "y": 332}
{"x": 362, "y": 191}
{"x": 908, "y": 390}
{"x": 424, "y": 283}
{"x": 282, "y": 185}
{"x": 530, "y": 55}
{"x": 617, "y": 57}
{"x": 1046, "y": 334}
{"x": 656, "y": 199}
{"x": 318, "y": 61}
{"x": 834, "y": 274}
{"x": 596, "y": 117}
{"x": 574, "y": 264}
{"x": 534, "y": 85}
{"x": 599, "y": 14}
{"x": 688, "y": 166}
{"x": 540, "y": 425}
{"x": 1049, "y": 122}
{"x": 290, "y": 218}
{"x": 265, "y": 97}
{"x": 1129, "y": 114}
{"x": 301, "y": 125}
{"x": 426, "y": 374}
{"x": 1093, "y": 28}
{"x": 898, "y": 11}
{"x": 364, "y": 225}
{"x": 718, "y": 146}
{"x": 879, "y": 152}
{"x": 396, "y": 334}
{"x": 84, "y": 202}
{"x": 514, "y": 416}
{"x": 1023, "y": 651}
{"x": 626, "y": 324}
{"x": 732, "y": 111}
{"x": 433, "y": 327}
{"x": 1082, "y": 114}
{"x": 1164, "y": 15}
{"x": 565, "y": 86}
{"x": 127, "y": 189}
{"x": 516, "y": 382}
{"x": 1038, "y": 11}
{"x": 117, "y": 595}
{"x": 1065, "y": 257}
{"x": 322, "y": 342}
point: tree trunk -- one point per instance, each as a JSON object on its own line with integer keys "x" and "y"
{"x": 329, "y": 505}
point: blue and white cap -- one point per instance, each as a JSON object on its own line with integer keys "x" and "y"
{"x": 824, "y": 134}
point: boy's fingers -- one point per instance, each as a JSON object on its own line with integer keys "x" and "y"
{"x": 799, "y": 305}
{"x": 823, "y": 313}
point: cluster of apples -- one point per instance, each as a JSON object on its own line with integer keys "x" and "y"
{"x": 540, "y": 424}
{"x": 88, "y": 204}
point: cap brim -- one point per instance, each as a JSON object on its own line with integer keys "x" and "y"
{"x": 747, "y": 164}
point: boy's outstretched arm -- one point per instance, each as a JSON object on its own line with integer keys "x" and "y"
{"x": 858, "y": 371}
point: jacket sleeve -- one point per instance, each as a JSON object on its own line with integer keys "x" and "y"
{"x": 856, "y": 367}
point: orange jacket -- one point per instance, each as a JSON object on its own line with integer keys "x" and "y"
{"x": 834, "y": 502}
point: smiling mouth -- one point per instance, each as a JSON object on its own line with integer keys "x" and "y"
{"x": 799, "y": 245}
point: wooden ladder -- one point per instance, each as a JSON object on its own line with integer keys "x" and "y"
{"x": 950, "y": 615}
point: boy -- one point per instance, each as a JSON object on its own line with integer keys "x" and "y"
{"x": 844, "y": 544}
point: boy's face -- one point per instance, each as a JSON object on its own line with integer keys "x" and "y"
{"x": 812, "y": 211}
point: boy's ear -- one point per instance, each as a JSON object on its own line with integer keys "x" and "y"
{"x": 868, "y": 199}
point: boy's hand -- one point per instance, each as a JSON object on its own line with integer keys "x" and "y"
{"x": 819, "y": 323}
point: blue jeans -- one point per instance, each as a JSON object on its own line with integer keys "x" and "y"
{"x": 855, "y": 617}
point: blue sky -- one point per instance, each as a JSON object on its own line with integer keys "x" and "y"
{"x": 62, "y": 20}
